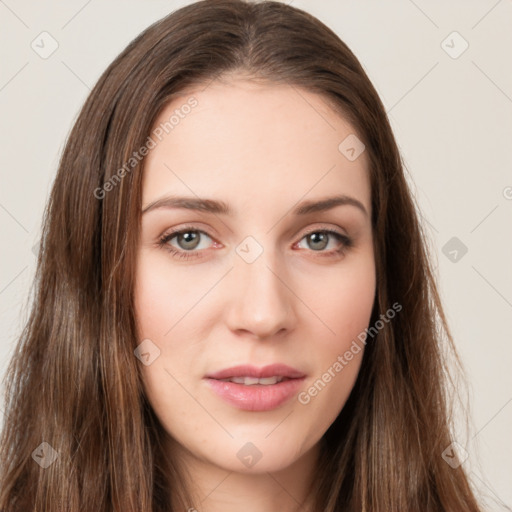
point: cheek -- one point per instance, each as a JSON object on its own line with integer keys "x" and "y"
{"x": 164, "y": 299}
{"x": 150, "y": 296}
{"x": 159, "y": 305}
{"x": 164, "y": 293}
{"x": 343, "y": 301}
{"x": 344, "y": 307}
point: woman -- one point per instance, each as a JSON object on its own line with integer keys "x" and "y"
{"x": 234, "y": 297}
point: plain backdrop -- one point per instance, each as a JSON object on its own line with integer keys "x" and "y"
{"x": 443, "y": 72}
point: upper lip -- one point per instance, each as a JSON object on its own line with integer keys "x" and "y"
{"x": 278, "y": 370}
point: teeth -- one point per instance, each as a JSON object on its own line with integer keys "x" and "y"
{"x": 270, "y": 380}
{"x": 251, "y": 381}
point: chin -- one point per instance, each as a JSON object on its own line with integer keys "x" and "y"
{"x": 260, "y": 455}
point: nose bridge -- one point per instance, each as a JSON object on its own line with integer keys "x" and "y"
{"x": 261, "y": 302}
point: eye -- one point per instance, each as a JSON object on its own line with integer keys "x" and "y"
{"x": 320, "y": 239}
{"x": 187, "y": 240}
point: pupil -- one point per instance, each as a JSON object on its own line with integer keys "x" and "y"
{"x": 190, "y": 239}
{"x": 319, "y": 238}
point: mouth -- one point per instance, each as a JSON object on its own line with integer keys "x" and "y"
{"x": 278, "y": 370}
{"x": 253, "y": 381}
{"x": 256, "y": 389}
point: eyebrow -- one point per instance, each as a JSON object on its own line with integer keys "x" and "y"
{"x": 220, "y": 207}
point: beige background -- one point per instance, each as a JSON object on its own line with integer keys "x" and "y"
{"x": 452, "y": 118}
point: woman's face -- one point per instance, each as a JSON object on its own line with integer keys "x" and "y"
{"x": 261, "y": 284}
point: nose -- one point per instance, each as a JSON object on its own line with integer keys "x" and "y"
{"x": 261, "y": 300}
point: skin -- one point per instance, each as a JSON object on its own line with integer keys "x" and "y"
{"x": 262, "y": 149}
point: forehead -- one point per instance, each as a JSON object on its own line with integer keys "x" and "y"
{"x": 253, "y": 144}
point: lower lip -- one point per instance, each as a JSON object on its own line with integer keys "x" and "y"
{"x": 258, "y": 397}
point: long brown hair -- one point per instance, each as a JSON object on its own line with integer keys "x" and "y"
{"x": 74, "y": 381}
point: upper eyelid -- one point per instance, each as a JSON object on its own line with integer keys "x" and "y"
{"x": 173, "y": 233}
{"x": 324, "y": 228}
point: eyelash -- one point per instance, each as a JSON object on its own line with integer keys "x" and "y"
{"x": 346, "y": 242}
